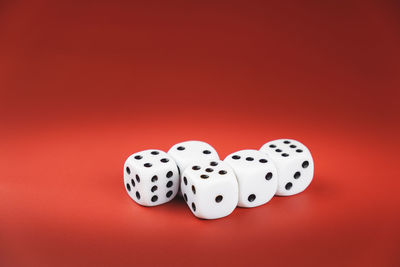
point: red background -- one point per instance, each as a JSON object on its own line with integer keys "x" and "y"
{"x": 85, "y": 84}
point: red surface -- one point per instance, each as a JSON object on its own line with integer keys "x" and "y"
{"x": 83, "y": 85}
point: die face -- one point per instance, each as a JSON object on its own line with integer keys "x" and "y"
{"x": 151, "y": 177}
{"x": 257, "y": 177}
{"x": 210, "y": 189}
{"x": 133, "y": 183}
{"x": 188, "y": 152}
{"x": 294, "y": 164}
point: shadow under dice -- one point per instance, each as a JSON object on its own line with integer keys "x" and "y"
{"x": 210, "y": 189}
{"x": 151, "y": 177}
{"x": 294, "y": 164}
{"x": 256, "y": 175}
{"x": 186, "y": 153}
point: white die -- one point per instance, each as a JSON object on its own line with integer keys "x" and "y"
{"x": 151, "y": 177}
{"x": 294, "y": 164}
{"x": 210, "y": 189}
{"x": 257, "y": 177}
{"x": 187, "y": 152}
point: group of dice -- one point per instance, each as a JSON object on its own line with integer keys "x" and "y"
{"x": 212, "y": 188}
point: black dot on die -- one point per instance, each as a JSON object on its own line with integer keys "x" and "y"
{"x": 154, "y": 178}
{"x": 204, "y": 176}
{"x": 164, "y": 160}
{"x": 209, "y": 170}
{"x": 285, "y": 155}
{"x": 147, "y": 165}
{"x": 206, "y": 152}
{"x": 286, "y": 142}
{"x": 193, "y": 206}
{"x": 180, "y": 148}
{"x": 193, "y": 189}
{"x": 138, "y": 157}
{"x": 133, "y": 182}
{"x": 169, "y": 174}
{"x": 296, "y": 175}
{"x": 154, "y": 188}
{"x": 169, "y": 193}
{"x": 278, "y": 150}
{"x": 137, "y": 195}
{"x": 272, "y": 146}
{"x": 185, "y": 180}
{"x": 251, "y": 198}
{"x": 213, "y": 163}
{"x": 137, "y": 178}
{"x": 299, "y": 150}
{"x": 288, "y": 186}
{"x": 128, "y": 187}
{"x": 218, "y": 198}
{"x": 154, "y": 198}
{"x": 249, "y": 159}
{"x": 263, "y": 160}
{"x": 222, "y": 172}
{"x": 292, "y": 146}
{"x": 169, "y": 184}
{"x": 128, "y": 171}
{"x": 236, "y": 157}
{"x": 185, "y": 197}
{"x": 268, "y": 176}
{"x": 196, "y": 168}
{"x": 154, "y": 152}
{"x": 305, "y": 164}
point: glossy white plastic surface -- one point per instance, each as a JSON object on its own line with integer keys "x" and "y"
{"x": 210, "y": 189}
{"x": 294, "y": 164}
{"x": 151, "y": 177}
{"x": 256, "y": 175}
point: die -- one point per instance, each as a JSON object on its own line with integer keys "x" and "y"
{"x": 210, "y": 189}
{"x": 257, "y": 177}
{"x": 151, "y": 177}
{"x": 294, "y": 164}
{"x": 187, "y": 152}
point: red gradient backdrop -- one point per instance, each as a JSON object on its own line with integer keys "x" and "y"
{"x": 84, "y": 84}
